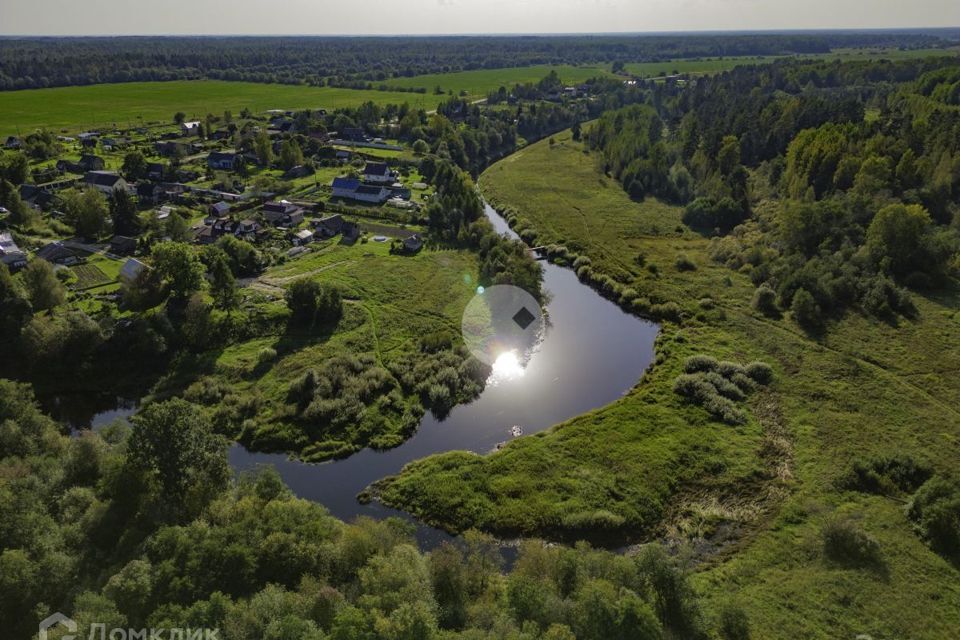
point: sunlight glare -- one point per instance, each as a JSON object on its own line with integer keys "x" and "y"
{"x": 507, "y": 366}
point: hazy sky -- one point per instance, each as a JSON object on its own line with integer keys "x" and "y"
{"x": 89, "y": 17}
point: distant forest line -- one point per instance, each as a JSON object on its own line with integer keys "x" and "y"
{"x": 40, "y": 62}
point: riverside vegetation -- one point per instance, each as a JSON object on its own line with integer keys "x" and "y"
{"x": 756, "y": 225}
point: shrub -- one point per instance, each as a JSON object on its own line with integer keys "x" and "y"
{"x": 700, "y": 363}
{"x": 805, "y": 309}
{"x": 683, "y": 263}
{"x": 666, "y": 311}
{"x": 759, "y": 372}
{"x": 846, "y": 543}
{"x": 936, "y": 510}
{"x": 765, "y": 300}
{"x": 728, "y": 369}
{"x": 886, "y": 475}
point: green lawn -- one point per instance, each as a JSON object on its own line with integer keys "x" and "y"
{"x": 77, "y": 108}
{"x": 762, "y": 492}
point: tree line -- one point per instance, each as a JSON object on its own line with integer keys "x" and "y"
{"x": 31, "y": 63}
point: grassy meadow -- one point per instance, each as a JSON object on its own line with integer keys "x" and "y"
{"x": 767, "y": 489}
{"x": 390, "y": 303}
{"x": 74, "y": 109}
{"x": 481, "y": 82}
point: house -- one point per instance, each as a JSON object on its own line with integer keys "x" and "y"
{"x": 372, "y": 194}
{"x": 248, "y": 230}
{"x": 90, "y": 162}
{"x": 13, "y": 142}
{"x": 191, "y": 128}
{"x": 302, "y": 237}
{"x": 155, "y": 171}
{"x": 220, "y": 209}
{"x": 106, "y": 182}
{"x": 131, "y": 270}
{"x": 344, "y": 187}
{"x": 282, "y": 213}
{"x": 10, "y": 254}
{"x": 378, "y": 173}
{"x": 171, "y": 148}
{"x": 164, "y": 212}
{"x": 343, "y": 156}
{"x": 122, "y": 245}
{"x": 35, "y": 197}
{"x": 334, "y": 225}
{"x": 57, "y": 253}
{"x": 413, "y": 243}
{"x": 299, "y": 171}
{"x": 224, "y": 161}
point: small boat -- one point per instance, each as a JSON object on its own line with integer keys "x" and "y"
{"x": 516, "y": 431}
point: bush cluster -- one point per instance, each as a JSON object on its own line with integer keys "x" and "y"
{"x": 846, "y": 543}
{"x": 719, "y": 386}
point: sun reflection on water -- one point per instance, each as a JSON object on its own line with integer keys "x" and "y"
{"x": 507, "y": 367}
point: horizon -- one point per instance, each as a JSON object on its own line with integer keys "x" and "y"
{"x": 495, "y": 34}
{"x": 319, "y": 18}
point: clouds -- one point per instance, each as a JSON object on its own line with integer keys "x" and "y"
{"x": 59, "y": 17}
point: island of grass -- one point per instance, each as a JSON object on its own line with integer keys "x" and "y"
{"x": 654, "y": 465}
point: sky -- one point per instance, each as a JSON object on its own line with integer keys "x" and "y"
{"x": 384, "y": 17}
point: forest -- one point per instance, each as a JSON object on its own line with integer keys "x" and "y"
{"x": 31, "y": 63}
{"x": 825, "y": 207}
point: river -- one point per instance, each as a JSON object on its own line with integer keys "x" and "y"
{"x": 591, "y": 354}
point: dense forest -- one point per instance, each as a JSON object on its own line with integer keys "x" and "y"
{"x": 30, "y": 63}
{"x": 834, "y": 186}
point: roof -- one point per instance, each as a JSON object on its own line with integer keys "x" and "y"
{"x": 280, "y": 207}
{"x": 221, "y": 207}
{"x": 102, "y": 178}
{"x": 303, "y": 234}
{"x": 222, "y": 155}
{"x": 131, "y": 269}
{"x": 376, "y": 169}
{"x": 346, "y": 183}
{"x": 122, "y": 240}
{"x": 55, "y": 251}
{"x": 369, "y": 190}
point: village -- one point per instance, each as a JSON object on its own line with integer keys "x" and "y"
{"x": 276, "y": 180}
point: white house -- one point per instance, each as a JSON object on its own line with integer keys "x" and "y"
{"x": 190, "y": 128}
{"x": 378, "y": 173}
{"x": 106, "y": 182}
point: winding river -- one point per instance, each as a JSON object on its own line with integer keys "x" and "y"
{"x": 591, "y": 354}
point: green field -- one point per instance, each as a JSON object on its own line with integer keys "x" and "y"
{"x": 765, "y": 490}
{"x": 481, "y": 82}
{"x": 130, "y": 104}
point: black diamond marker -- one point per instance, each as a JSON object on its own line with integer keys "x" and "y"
{"x": 523, "y": 318}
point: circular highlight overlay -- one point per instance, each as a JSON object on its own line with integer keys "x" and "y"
{"x": 501, "y": 320}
